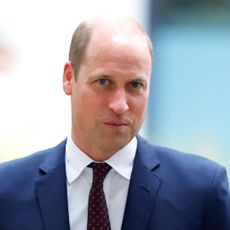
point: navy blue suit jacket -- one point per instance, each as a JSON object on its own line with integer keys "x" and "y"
{"x": 168, "y": 190}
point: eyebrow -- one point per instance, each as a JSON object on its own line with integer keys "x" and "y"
{"x": 141, "y": 78}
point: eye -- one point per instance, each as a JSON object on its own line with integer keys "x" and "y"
{"x": 103, "y": 81}
{"x": 136, "y": 85}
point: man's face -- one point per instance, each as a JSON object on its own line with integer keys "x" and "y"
{"x": 110, "y": 94}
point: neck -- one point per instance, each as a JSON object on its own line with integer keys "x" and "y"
{"x": 95, "y": 153}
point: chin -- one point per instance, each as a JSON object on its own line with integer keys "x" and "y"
{"x": 120, "y": 141}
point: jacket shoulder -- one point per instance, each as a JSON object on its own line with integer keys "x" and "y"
{"x": 178, "y": 163}
{"x": 28, "y": 165}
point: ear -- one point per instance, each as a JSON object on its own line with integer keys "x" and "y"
{"x": 68, "y": 78}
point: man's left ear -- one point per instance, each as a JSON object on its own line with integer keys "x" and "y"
{"x": 68, "y": 78}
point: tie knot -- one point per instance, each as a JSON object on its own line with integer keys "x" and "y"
{"x": 100, "y": 170}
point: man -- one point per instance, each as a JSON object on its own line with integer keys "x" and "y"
{"x": 147, "y": 187}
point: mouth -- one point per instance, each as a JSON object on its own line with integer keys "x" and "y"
{"x": 116, "y": 125}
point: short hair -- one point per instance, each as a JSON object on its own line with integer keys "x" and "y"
{"x": 79, "y": 43}
{"x": 81, "y": 39}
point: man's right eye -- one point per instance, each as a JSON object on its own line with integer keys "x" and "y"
{"x": 103, "y": 81}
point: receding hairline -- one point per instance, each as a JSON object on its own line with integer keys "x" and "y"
{"x": 118, "y": 23}
{"x": 86, "y": 29}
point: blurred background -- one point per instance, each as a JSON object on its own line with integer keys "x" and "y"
{"x": 189, "y": 101}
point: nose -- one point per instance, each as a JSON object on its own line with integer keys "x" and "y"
{"x": 119, "y": 102}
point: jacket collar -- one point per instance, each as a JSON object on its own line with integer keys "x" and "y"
{"x": 50, "y": 188}
{"x": 144, "y": 188}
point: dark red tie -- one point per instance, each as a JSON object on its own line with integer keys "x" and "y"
{"x": 98, "y": 217}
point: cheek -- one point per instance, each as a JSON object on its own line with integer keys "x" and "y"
{"x": 89, "y": 103}
{"x": 138, "y": 107}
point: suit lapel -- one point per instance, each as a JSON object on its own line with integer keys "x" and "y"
{"x": 50, "y": 189}
{"x": 143, "y": 190}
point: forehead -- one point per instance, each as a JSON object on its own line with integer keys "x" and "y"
{"x": 117, "y": 42}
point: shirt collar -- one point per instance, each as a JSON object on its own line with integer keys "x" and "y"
{"x": 121, "y": 161}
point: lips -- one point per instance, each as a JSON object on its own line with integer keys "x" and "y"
{"x": 116, "y": 123}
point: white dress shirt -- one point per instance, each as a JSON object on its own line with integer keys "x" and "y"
{"x": 116, "y": 184}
